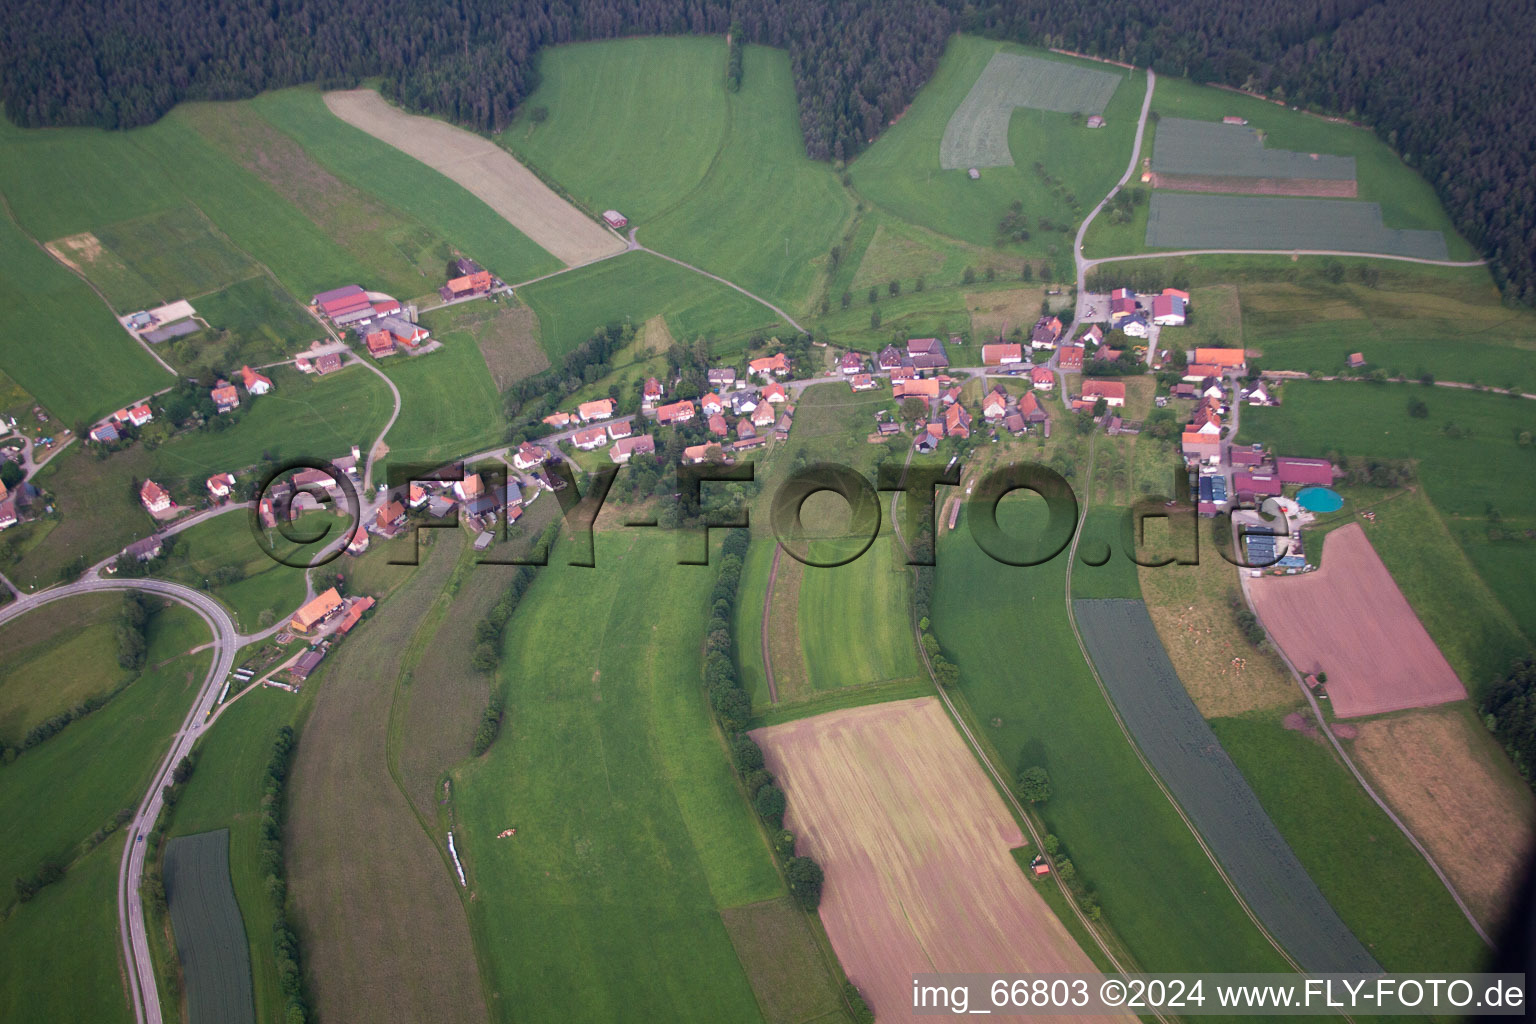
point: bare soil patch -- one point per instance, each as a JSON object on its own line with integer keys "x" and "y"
{"x": 1326, "y": 187}
{"x": 485, "y": 169}
{"x": 1348, "y": 619}
{"x": 915, "y": 845}
{"x": 84, "y": 246}
{"x": 1442, "y": 774}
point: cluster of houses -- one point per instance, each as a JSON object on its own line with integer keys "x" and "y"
{"x": 479, "y": 501}
{"x": 377, "y": 318}
{"x": 322, "y": 620}
{"x": 1133, "y": 313}
{"x": 226, "y": 397}
{"x": 1205, "y": 382}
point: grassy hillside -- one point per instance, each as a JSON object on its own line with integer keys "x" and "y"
{"x": 631, "y": 833}
{"x": 617, "y": 134}
{"x": 57, "y": 657}
{"x": 900, "y": 173}
{"x": 638, "y": 286}
{"x": 269, "y": 590}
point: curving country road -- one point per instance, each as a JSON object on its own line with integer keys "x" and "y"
{"x": 144, "y": 993}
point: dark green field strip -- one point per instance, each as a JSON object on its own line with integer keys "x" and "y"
{"x": 1205, "y": 147}
{"x": 1187, "y": 756}
{"x": 1182, "y": 220}
{"x": 210, "y": 936}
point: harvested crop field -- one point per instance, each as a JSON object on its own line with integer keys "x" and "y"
{"x": 1184, "y": 220}
{"x": 1348, "y": 619}
{"x": 1325, "y": 188}
{"x": 1191, "y": 762}
{"x": 977, "y": 132}
{"x": 915, "y": 845}
{"x": 210, "y": 935}
{"x": 1474, "y": 815}
{"x": 485, "y": 169}
{"x": 1183, "y": 146}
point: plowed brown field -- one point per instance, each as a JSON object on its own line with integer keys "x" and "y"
{"x": 915, "y": 845}
{"x": 1348, "y": 619}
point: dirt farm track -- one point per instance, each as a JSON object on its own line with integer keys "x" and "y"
{"x": 915, "y": 845}
{"x": 1348, "y": 619}
{"x": 485, "y": 169}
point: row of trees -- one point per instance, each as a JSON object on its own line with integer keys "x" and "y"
{"x": 1509, "y": 711}
{"x": 285, "y": 944}
{"x": 733, "y": 708}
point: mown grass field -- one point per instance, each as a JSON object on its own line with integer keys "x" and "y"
{"x": 1486, "y": 467}
{"x": 253, "y": 322}
{"x": 98, "y": 508}
{"x": 71, "y": 784}
{"x": 616, "y": 135}
{"x": 855, "y": 620}
{"x": 60, "y": 954}
{"x": 1034, "y": 703}
{"x": 56, "y": 326}
{"x": 637, "y": 287}
{"x": 449, "y": 406}
{"x": 57, "y": 656}
{"x": 225, "y": 792}
{"x": 210, "y": 934}
{"x": 631, "y": 834}
{"x": 1350, "y": 848}
{"x": 269, "y": 591}
{"x": 900, "y": 173}
{"x": 766, "y": 215}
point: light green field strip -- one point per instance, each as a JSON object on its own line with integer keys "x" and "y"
{"x": 977, "y": 133}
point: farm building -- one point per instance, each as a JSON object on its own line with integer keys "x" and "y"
{"x": 403, "y": 331}
{"x": 1200, "y": 447}
{"x": 348, "y": 304}
{"x": 1095, "y": 121}
{"x": 1112, "y": 391}
{"x": 915, "y": 389}
{"x": 354, "y": 612}
{"x": 1030, "y": 409}
{"x": 1254, "y": 484}
{"x": 625, "y": 449}
{"x": 317, "y": 611}
{"x": 1227, "y": 359}
{"x": 1356, "y": 360}
{"x": 975, "y": 175}
{"x": 1247, "y": 455}
{"x": 615, "y": 219}
{"x": 1002, "y": 354}
{"x": 1168, "y": 311}
{"x": 307, "y": 664}
{"x": 1198, "y": 373}
{"x": 1233, "y": 119}
{"x": 1316, "y": 472}
{"x": 466, "y": 286}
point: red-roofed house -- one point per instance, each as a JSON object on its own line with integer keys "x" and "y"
{"x": 697, "y": 453}
{"x": 467, "y": 286}
{"x": 623, "y": 450}
{"x": 651, "y": 393}
{"x": 226, "y": 398}
{"x": 745, "y": 429}
{"x": 774, "y": 393}
{"x": 138, "y": 415}
{"x": 851, "y": 363}
{"x": 1226, "y": 358}
{"x": 712, "y": 404}
{"x": 560, "y": 420}
{"x": 1112, "y": 391}
{"x": 957, "y": 422}
{"x": 1002, "y": 354}
{"x": 620, "y": 428}
{"x": 1042, "y": 378}
{"x": 718, "y": 426}
{"x": 528, "y": 456}
{"x": 776, "y": 364}
{"x": 600, "y": 409}
{"x": 916, "y": 388}
{"x": 1070, "y": 358}
{"x": 255, "y": 383}
{"x": 154, "y": 497}
{"x": 1197, "y": 372}
{"x": 862, "y": 382}
{"x": 763, "y": 415}
{"x": 593, "y": 437}
{"x": 357, "y": 608}
{"x": 995, "y": 405}
{"x": 220, "y": 483}
{"x": 1029, "y": 408}
{"x": 328, "y": 363}
{"x": 677, "y": 412}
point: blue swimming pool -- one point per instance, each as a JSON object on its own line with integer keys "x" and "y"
{"x": 1320, "y": 499}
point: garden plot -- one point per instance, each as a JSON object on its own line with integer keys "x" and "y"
{"x": 977, "y": 133}
{"x": 1190, "y": 147}
{"x": 1349, "y": 620}
{"x": 210, "y": 936}
{"x": 1178, "y": 220}
{"x": 1189, "y": 759}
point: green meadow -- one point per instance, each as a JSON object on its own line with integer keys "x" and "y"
{"x": 1033, "y": 701}
{"x": 900, "y": 173}
{"x": 269, "y": 590}
{"x": 856, "y": 620}
{"x": 636, "y": 287}
{"x": 1474, "y": 457}
{"x": 449, "y": 406}
{"x": 46, "y": 651}
{"x": 632, "y": 834}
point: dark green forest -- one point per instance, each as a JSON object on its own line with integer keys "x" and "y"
{"x": 1449, "y": 86}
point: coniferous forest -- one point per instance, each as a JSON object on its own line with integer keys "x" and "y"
{"x": 1452, "y": 87}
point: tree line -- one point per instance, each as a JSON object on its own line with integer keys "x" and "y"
{"x": 1509, "y": 711}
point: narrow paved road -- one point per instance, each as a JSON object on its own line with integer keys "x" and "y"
{"x": 130, "y": 908}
